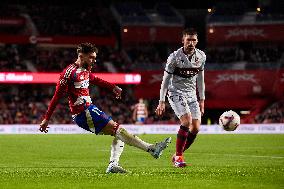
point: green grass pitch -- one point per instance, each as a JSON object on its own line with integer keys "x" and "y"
{"x": 79, "y": 161}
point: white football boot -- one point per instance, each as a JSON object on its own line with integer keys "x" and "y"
{"x": 114, "y": 167}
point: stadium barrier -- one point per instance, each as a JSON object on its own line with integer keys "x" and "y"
{"x": 146, "y": 129}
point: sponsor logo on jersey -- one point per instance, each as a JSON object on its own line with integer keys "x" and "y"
{"x": 82, "y": 84}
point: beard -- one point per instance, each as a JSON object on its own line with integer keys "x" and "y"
{"x": 190, "y": 48}
{"x": 86, "y": 65}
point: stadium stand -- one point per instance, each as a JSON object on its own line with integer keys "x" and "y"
{"x": 68, "y": 20}
{"x": 143, "y": 56}
{"x": 272, "y": 114}
{"x": 19, "y": 106}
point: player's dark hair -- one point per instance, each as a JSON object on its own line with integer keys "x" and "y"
{"x": 189, "y": 31}
{"x": 86, "y": 48}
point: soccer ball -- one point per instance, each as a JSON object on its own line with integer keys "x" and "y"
{"x": 229, "y": 120}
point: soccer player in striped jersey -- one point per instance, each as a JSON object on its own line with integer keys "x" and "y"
{"x": 184, "y": 72}
{"x": 140, "y": 112}
{"x": 74, "y": 83}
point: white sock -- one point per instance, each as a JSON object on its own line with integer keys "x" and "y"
{"x": 132, "y": 140}
{"x": 116, "y": 150}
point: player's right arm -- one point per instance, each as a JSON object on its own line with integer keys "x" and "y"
{"x": 168, "y": 73}
{"x": 61, "y": 88}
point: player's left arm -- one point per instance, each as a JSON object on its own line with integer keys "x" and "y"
{"x": 102, "y": 83}
{"x": 201, "y": 87}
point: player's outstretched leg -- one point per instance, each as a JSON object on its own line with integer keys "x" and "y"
{"x": 122, "y": 136}
{"x": 115, "y": 153}
{"x": 154, "y": 149}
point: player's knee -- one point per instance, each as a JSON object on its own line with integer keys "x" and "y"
{"x": 186, "y": 123}
{"x": 195, "y": 128}
{"x": 120, "y": 131}
{"x": 115, "y": 129}
{"x": 185, "y": 120}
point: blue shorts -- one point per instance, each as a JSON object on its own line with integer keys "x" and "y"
{"x": 141, "y": 119}
{"x": 92, "y": 119}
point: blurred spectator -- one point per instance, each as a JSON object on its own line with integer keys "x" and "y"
{"x": 140, "y": 112}
{"x": 259, "y": 54}
{"x": 74, "y": 20}
{"x": 26, "y": 104}
{"x": 10, "y": 59}
{"x": 273, "y": 114}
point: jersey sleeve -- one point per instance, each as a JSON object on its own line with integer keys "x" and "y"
{"x": 164, "y": 85}
{"x": 171, "y": 64}
{"x": 94, "y": 80}
{"x": 201, "y": 85}
{"x": 200, "y": 78}
{"x": 203, "y": 60}
{"x": 61, "y": 89}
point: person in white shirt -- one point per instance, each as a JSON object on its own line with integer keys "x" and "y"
{"x": 183, "y": 75}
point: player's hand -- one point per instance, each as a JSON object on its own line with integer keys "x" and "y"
{"x": 201, "y": 105}
{"x": 161, "y": 108}
{"x": 43, "y": 127}
{"x": 117, "y": 91}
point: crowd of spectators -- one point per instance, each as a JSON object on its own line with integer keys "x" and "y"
{"x": 45, "y": 59}
{"x": 10, "y": 58}
{"x": 133, "y": 58}
{"x": 27, "y": 104}
{"x": 273, "y": 114}
{"x": 71, "y": 20}
{"x": 11, "y": 12}
{"x": 15, "y": 57}
{"x": 237, "y": 54}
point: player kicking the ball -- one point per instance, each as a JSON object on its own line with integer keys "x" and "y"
{"x": 184, "y": 70}
{"x": 74, "y": 83}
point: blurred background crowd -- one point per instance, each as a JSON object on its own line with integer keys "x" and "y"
{"x": 137, "y": 37}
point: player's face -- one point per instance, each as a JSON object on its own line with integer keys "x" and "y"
{"x": 87, "y": 60}
{"x": 189, "y": 42}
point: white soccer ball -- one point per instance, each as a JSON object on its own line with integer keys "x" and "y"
{"x": 229, "y": 120}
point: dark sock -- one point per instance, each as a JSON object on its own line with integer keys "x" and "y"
{"x": 181, "y": 139}
{"x": 190, "y": 139}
